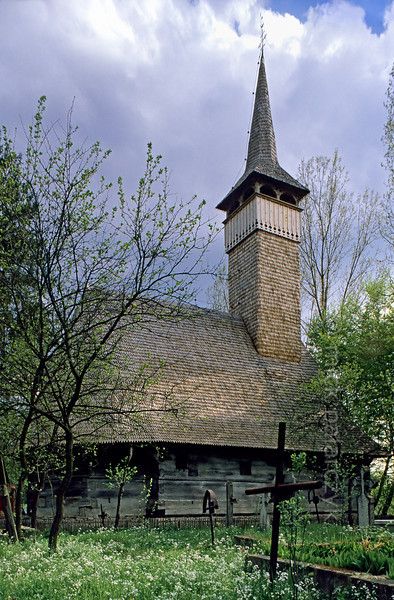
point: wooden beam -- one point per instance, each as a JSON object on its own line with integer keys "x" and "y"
{"x": 284, "y": 488}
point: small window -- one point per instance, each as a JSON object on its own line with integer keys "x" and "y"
{"x": 288, "y": 198}
{"x": 181, "y": 462}
{"x": 192, "y": 470}
{"x": 248, "y": 193}
{"x": 233, "y": 206}
{"x": 268, "y": 191}
{"x": 245, "y": 467}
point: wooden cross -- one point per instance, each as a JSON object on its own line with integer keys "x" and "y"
{"x": 279, "y": 492}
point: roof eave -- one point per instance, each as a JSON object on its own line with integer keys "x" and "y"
{"x": 298, "y": 189}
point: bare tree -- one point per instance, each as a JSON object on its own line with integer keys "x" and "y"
{"x": 388, "y": 139}
{"x": 217, "y": 293}
{"x": 338, "y": 232}
{"x": 93, "y": 272}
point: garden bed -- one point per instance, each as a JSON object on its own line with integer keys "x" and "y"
{"x": 368, "y": 550}
{"x": 328, "y": 580}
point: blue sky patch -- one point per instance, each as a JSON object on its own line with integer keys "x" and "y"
{"x": 374, "y": 10}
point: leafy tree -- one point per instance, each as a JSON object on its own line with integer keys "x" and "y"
{"x": 118, "y": 475}
{"x": 354, "y": 346}
{"x": 338, "y": 230}
{"x": 93, "y": 271}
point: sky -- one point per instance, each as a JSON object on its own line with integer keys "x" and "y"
{"x": 181, "y": 74}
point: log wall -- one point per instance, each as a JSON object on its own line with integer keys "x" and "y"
{"x": 184, "y": 475}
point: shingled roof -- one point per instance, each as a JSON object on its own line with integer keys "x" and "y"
{"x": 224, "y": 392}
{"x": 262, "y": 158}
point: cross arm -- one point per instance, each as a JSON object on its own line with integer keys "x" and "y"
{"x": 284, "y": 488}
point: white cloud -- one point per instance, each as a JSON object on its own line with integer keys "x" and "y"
{"x": 181, "y": 74}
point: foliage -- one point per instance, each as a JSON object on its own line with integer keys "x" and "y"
{"x": 383, "y": 475}
{"x": 298, "y": 462}
{"x": 359, "y": 592}
{"x": 148, "y": 564}
{"x": 120, "y": 474}
{"x": 354, "y": 348}
{"x": 369, "y": 550}
{"x": 294, "y": 520}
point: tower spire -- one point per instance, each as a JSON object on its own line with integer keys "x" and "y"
{"x": 262, "y": 160}
{"x": 262, "y": 146}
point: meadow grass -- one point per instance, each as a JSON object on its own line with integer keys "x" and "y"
{"x": 139, "y": 564}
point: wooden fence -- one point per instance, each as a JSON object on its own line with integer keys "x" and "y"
{"x": 75, "y": 524}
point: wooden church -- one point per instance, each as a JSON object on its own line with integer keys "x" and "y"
{"x": 231, "y": 376}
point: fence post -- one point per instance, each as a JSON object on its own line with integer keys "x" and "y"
{"x": 229, "y": 504}
{"x": 263, "y": 520}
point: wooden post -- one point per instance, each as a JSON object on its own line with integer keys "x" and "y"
{"x": 229, "y": 504}
{"x": 263, "y": 520}
{"x": 363, "y": 502}
{"x": 212, "y": 525}
{"x": 279, "y": 478}
{"x": 7, "y": 509}
{"x": 280, "y": 491}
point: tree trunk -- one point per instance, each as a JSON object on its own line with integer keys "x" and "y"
{"x": 35, "y": 489}
{"x": 61, "y": 492}
{"x": 6, "y": 504}
{"x": 117, "y": 516}
{"x": 382, "y": 482}
{"x": 388, "y": 500}
{"x": 19, "y": 503}
{"x": 23, "y": 473}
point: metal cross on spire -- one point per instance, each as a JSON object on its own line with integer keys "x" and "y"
{"x": 262, "y": 145}
{"x": 263, "y": 35}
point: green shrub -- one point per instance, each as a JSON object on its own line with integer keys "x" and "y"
{"x": 367, "y": 550}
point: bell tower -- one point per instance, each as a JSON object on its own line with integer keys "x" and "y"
{"x": 262, "y": 235}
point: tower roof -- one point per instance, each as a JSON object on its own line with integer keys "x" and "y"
{"x": 262, "y": 146}
{"x": 262, "y": 157}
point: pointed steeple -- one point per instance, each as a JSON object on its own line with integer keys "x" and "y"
{"x": 262, "y": 160}
{"x": 262, "y": 146}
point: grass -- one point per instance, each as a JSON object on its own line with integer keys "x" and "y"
{"x": 369, "y": 550}
{"x": 139, "y": 564}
